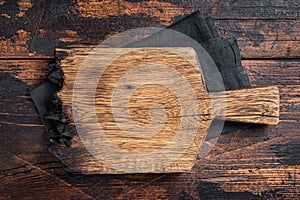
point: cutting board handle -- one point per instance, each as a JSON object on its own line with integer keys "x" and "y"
{"x": 259, "y": 105}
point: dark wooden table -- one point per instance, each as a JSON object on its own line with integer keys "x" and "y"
{"x": 261, "y": 162}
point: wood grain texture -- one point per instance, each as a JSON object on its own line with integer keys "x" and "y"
{"x": 258, "y": 162}
{"x": 19, "y": 129}
{"x": 30, "y": 181}
{"x": 146, "y": 89}
{"x": 268, "y": 27}
{"x": 256, "y": 9}
{"x": 259, "y": 105}
{"x": 31, "y": 72}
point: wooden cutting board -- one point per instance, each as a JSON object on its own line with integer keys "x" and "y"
{"x": 144, "y": 110}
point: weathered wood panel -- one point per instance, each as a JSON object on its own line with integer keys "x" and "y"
{"x": 30, "y": 72}
{"x": 21, "y": 130}
{"x": 256, "y": 9}
{"x": 38, "y": 27}
{"x": 22, "y": 180}
{"x": 35, "y": 28}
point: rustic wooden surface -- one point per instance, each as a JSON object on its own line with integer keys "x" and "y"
{"x": 255, "y": 163}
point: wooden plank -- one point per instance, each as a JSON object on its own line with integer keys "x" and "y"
{"x": 26, "y": 166}
{"x": 21, "y": 129}
{"x": 21, "y": 180}
{"x": 279, "y": 72}
{"x": 271, "y": 38}
{"x": 30, "y": 72}
{"x": 285, "y": 46}
{"x": 256, "y": 9}
{"x": 260, "y": 30}
{"x": 39, "y": 36}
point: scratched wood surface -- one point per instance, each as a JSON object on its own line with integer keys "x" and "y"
{"x": 254, "y": 163}
{"x": 258, "y": 105}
